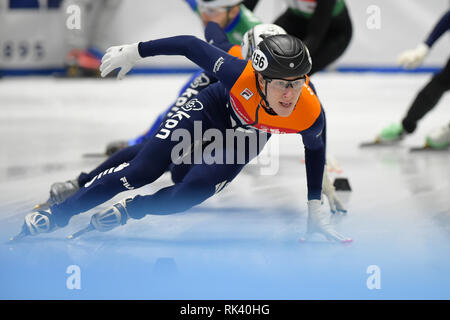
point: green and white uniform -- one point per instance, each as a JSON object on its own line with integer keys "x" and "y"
{"x": 306, "y": 8}
{"x": 243, "y": 22}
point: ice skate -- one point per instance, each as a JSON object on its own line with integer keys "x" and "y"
{"x": 59, "y": 192}
{"x": 390, "y": 135}
{"x": 439, "y": 139}
{"x": 106, "y": 220}
{"x": 37, "y": 222}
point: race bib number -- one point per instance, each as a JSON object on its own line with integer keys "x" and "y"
{"x": 259, "y": 60}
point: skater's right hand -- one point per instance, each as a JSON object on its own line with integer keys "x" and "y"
{"x": 123, "y": 57}
{"x": 411, "y": 59}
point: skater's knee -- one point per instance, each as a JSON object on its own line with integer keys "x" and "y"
{"x": 193, "y": 193}
{"x": 177, "y": 198}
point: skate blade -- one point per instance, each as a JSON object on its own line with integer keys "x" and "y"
{"x": 329, "y": 241}
{"x": 18, "y": 237}
{"x": 378, "y": 143}
{"x": 428, "y": 149}
{"x": 77, "y": 234}
{"x": 95, "y": 155}
{"x": 42, "y": 206}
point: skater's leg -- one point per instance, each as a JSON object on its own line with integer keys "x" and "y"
{"x": 198, "y": 182}
{"x": 334, "y": 43}
{"x": 148, "y": 165}
{"x": 427, "y": 98}
{"x": 60, "y": 191}
{"x": 124, "y": 155}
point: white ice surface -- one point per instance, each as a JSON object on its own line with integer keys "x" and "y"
{"x": 242, "y": 243}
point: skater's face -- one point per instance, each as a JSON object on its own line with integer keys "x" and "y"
{"x": 220, "y": 15}
{"x": 282, "y": 94}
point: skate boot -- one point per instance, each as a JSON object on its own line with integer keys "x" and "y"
{"x": 391, "y": 134}
{"x": 37, "y": 222}
{"x": 59, "y": 192}
{"x": 439, "y": 139}
{"x": 111, "y": 218}
{"x": 115, "y": 216}
{"x": 319, "y": 222}
{"x": 115, "y": 146}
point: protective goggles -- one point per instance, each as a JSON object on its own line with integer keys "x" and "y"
{"x": 212, "y": 11}
{"x": 283, "y": 84}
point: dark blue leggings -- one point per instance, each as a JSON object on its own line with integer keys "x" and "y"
{"x": 142, "y": 164}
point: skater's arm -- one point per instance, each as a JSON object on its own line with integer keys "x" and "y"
{"x": 223, "y": 66}
{"x": 414, "y": 57}
{"x": 439, "y": 29}
{"x": 216, "y": 36}
{"x": 314, "y": 142}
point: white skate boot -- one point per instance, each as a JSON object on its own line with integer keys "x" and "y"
{"x": 439, "y": 138}
{"x": 36, "y": 223}
{"x": 115, "y": 216}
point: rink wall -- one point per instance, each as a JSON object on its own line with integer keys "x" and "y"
{"x": 32, "y": 38}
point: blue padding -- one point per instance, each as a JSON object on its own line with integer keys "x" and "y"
{"x": 167, "y": 70}
{"x": 33, "y": 4}
{"x": 190, "y": 70}
{"x": 387, "y": 69}
{"x": 54, "y": 4}
{"x": 23, "y": 4}
{"x": 32, "y": 72}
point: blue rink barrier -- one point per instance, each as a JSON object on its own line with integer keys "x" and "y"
{"x": 188, "y": 70}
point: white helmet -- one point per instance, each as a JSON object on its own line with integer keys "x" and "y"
{"x": 253, "y": 37}
{"x": 217, "y": 3}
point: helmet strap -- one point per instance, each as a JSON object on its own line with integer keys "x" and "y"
{"x": 265, "y": 105}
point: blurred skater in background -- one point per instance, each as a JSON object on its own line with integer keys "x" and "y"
{"x": 84, "y": 47}
{"x": 234, "y": 18}
{"x": 323, "y": 25}
{"x": 427, "y": 98}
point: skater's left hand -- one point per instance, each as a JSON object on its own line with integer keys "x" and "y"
{"x": 328, "y": 190}
{"x": 123, "y": 57}
{"x": 411, "y": 59}
{"x": 319, "y": 222}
